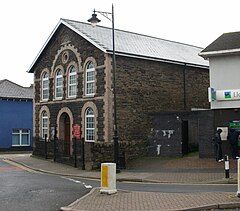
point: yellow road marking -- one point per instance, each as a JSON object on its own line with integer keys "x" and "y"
{"x": 20, "y": 166}
{"x": 182, "y": 184}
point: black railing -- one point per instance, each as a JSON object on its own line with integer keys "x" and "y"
{"x": 62, "y": 151}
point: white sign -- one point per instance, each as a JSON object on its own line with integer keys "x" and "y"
{"x": 233, "y": 94}
{"x": 224, "y": 133}
{"x": 211, "y": 94}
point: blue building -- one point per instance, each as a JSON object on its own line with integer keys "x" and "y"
{"x": 16, "y": 112}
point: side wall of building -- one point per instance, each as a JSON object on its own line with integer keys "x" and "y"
{"x": 224, "y": 75}
{"x": 145, "y": 87}
{"x": 14, "y": 115}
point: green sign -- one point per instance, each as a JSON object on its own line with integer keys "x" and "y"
{"x": 227, "y": 95}
{"x": 234, "y": 124}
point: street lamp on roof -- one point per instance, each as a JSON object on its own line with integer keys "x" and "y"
{"x": 94, "y": 21}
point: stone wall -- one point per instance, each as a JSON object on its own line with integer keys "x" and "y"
{"x": 145, "y": 87}
{"x": 206, "y": 134}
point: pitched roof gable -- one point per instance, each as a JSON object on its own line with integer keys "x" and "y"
{"x": 134, "y": 45}
{"x": 9, "y": 89}
{"x": 227, "y": 43}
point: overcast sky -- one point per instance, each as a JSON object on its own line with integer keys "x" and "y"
{"x": 27, "y": 24}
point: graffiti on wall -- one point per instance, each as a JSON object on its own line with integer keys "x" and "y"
{"x": 164, "y": 133}
{"x": 167, "y": 133}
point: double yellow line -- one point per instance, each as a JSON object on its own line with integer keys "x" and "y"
{"x": 20, "y": 166}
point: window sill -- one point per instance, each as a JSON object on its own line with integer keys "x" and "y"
{"x": 90, "y": 141}
{"x": 71, "y": 98}
{"x": 58, "y": 99}
{"x": 23, "y": 145}
{"x": 89, "y": 96}
{"x": 44, "y": 101}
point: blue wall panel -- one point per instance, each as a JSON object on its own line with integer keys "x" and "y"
{"x": 14, "y": 114}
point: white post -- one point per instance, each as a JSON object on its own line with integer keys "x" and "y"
{"x": 226, "y": 158}
{"x": 108, "y": 178}
{"x": 238, "y": 176}
{"x": 158, "y": 149}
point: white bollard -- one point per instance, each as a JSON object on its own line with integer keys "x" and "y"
{"x": 238, "y": 176}
{"x": 108, "y": 178}
{"x": 226, "y": 158}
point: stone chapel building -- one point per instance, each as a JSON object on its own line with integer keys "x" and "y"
{"x": 73, "y": 85}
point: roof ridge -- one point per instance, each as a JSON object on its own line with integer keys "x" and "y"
{"x": 233, "y": 32}
{"x": 145, "y": 35}
{"x": 10, "y": 89}
{"x": 226, "y": 43}
{"x": 6, "y": 80}
{"x": 2, "y": 81}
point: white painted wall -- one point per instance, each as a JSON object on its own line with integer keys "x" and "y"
{"x": 225, "y": 75}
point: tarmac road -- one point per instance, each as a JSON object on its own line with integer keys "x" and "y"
{"x": 185, "y": 171}
{"x": 23, "y": 189}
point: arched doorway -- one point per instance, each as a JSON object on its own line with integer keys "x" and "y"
{"x": 64, "y": 132}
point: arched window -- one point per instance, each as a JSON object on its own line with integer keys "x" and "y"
{"x": 72, "y": 82}
{"x": 45, "y": 86}
{"x": 89, "y": 125}
{"x": 44, "y": 124}
{"x": 89, "y": 79}
{"x": 58, "y": 84}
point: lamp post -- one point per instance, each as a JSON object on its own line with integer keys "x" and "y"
{"x": 94, "y": 20}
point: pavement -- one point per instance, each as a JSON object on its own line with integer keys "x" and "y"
{"x": 187, "y": 170}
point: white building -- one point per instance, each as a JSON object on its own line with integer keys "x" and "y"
{"x": 224, "y": 92}
{"x": 224, "y": 61}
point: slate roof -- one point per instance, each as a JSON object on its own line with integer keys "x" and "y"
{"x": 225, "y": 44}
{"x": 11, "y": 90}
{"x": 134, "y": 45}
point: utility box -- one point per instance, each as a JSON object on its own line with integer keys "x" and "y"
{"x": 108, "y": 178}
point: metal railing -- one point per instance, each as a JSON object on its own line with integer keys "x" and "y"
{"x": 62, "y": 151}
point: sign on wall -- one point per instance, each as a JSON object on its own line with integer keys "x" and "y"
{"x": 76, "y": 131}
{"x": 224, "y": 133}
{"x": 233, "y": 94}
{"x": 211, "y": 94}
